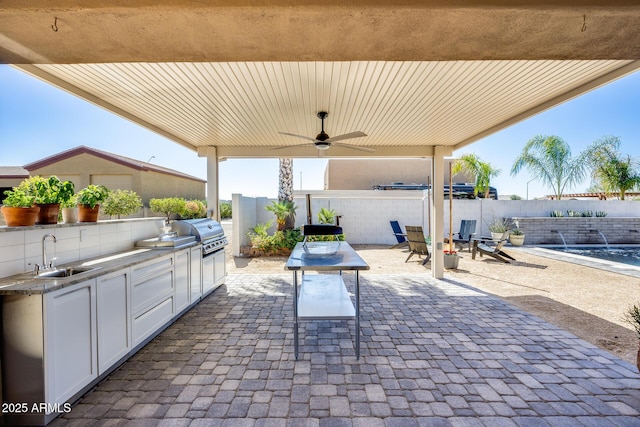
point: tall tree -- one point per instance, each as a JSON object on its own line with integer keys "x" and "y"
{"x": 482, "y": 171}
{"x": 611, "y": 170}
{"x": 285, "y": 188}
{"x": 549, "y": 159}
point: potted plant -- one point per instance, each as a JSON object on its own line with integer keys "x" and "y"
{"x": 18, "y": 209}
{"x": 451, "y": 259}
{"x": 632, "y": 316}
{"x": 516, "y": 237}
{"x": 121, "y": 202}
{"x": 69, "y": 210}
{"x": 89, "y": 199}
{"x": 497, "y": 228}
{"x": 48, "y": 194}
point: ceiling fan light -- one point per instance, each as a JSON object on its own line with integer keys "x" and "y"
{"x": 322, "y": 145}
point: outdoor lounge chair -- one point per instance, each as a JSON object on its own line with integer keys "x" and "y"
{"x": 465, "y": 235}
{"x": 417, "y": 243}
{"x": 480, "y": 245}
{"x": 400, "y": 236}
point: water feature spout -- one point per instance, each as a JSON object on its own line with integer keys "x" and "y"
{"x": 564, "y": 242}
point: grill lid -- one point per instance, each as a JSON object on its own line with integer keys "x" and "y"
{"x": 202, "y": 228}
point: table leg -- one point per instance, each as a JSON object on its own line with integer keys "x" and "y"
{"x": 357, "y": 315}
{"x": 295, "y": 313}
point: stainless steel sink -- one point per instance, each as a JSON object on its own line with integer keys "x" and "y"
{"x": 64, "y": 272}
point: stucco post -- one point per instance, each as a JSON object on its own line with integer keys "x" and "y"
{"x": 437, "y": 211}
{"x": 213, "y": 203}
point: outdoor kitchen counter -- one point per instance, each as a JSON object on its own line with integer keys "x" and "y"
{"x": 27, "y": 284}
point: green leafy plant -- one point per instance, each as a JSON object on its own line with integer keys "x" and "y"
{"x": 92, "y": 195}
{"x": 48, "y": 190}
{"x": 168, "y": 206}
{"x": 517, "y": 232}
{"x": 18, "y": 198}
{"x": 556, "y": 214}
{"x": 573, "y": 214}
{"x": 194, "y": 209}
{"x": 225, "y": 210}
{"x": 327, "y": 216}
{"x": 632, "y": 316}
{"x": 601, "y": 214}
{"x": 72, "y": 202}
{"x": 587, "y": 213}
{"x": 282, "y": 210}
{"x": 121, "y": 202}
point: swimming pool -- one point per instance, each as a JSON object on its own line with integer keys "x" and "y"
{"x": 625, "y": 255}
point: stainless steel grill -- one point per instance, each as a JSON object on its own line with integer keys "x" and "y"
{"x": 207, "y": 231}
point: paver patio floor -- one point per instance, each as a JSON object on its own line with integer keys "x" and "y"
{"x": 434, "y": 353}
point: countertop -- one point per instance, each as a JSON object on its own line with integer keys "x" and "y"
{"x": 27, "y": 284}
{"x": 325, "y": 256}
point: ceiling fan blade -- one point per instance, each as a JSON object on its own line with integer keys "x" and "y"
{"x": 311, "y": 144}
{"x": 357, "y": 134}
{"x": 297, "y": 136}
{"x": 354, "y": 147}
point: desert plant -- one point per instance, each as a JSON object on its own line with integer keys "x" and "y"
{"x": 168, "y": 206}
{"x": 587, "y": 214}
{"x": 499, "y": 226}
{"x": 121, "y": 202}
{"x": 282, "y": 210}
{"x": 601, "y": 214}
{"x": 327, "y": 216}
{"x": 556, "y": 214}
{"x": 92, "y": 195}
{"x": 225, "y": 210}
{"x": 632, "y": 316}
{"x": 194, "y": 209}
{"x": 517, "y": 232}
{"x": 573, "y": 214}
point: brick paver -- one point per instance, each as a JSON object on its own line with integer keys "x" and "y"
{"x": 434, "y": 353}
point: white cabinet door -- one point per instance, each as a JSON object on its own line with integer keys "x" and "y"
{"x": 182, "y": 285}
{"x": 196, "y": 273}
{"x": 70, "y": 337}
{"x": 114, "y": 316}
{"x": 220, "y": 270}
{"x": 208, "y": 277}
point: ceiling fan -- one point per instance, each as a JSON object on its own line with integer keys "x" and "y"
{"x": 322, "y": 141}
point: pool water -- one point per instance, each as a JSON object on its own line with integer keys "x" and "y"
{"x": 630, "y": 255}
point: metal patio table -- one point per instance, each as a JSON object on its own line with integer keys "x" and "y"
{"x": 324, "y": 296}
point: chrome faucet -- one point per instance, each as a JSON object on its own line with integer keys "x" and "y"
{"x": 44, "y": 251}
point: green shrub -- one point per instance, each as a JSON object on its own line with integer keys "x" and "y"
{"x": 121, "y": 202}
{"x": 327, "y": 216}
{"x": 168, "y": 206}
{"x": 286, "y": 239}
{"x": 194, "y": 209}
{"x": 225, "y": 210}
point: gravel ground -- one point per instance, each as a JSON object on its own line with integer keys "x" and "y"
{"x": 585, "y": 301}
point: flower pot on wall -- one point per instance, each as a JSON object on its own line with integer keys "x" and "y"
{"x": 88, "y": 214}
{"x": 48, "y": 213}
{"x": 17, "y": 217}
{"x": 70, "y": 215}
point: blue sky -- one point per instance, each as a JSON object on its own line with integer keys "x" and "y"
{"x": 38, "y": 120}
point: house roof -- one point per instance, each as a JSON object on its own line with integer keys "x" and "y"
{"x": 116, "y": 158}
{"x": 8, "y": 172}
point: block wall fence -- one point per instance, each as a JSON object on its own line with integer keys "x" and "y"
{"x": 365, "y": 216}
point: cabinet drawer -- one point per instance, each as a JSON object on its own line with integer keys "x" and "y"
{"x": 149, "y": 321}
{"x": 151, "y": 289}
{"x": 139, "y": 272}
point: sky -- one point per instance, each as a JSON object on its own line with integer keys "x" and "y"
{"x": 38, "y": 120}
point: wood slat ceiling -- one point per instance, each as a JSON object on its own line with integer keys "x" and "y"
{"x": 240, "y": 107}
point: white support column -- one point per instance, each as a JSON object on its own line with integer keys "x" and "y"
{"x": 437, "y": 210}
{"x": 213, "y": 202}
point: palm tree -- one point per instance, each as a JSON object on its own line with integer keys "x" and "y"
{"x": 285, "y": 189}
{"x": 471, "y": 164}
{"x": 549, "y": 159}
{"x": 612, "y": 171}
{"x": 282, "y": 210}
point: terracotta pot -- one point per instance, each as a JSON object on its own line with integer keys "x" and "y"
{"x": 88, "y": 214}
{"x": 70, "y": 215}
{"x": 48, "y": 213}
{"x": 17, "y": 217}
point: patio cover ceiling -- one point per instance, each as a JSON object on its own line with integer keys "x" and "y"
{"x": 412, "y": 74}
